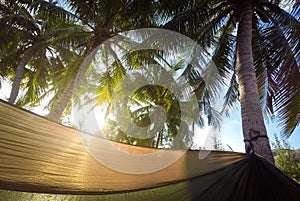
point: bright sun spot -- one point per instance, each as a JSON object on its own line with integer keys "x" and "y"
{"x": 100, "y": 117}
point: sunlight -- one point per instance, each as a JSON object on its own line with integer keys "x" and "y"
{"x": 100, "y": 117}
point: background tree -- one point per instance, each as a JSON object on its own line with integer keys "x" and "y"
{"x": 103, "y": 19}
{"x": 38, "y": 39}
{"x": 105, "y": 85}
{"x": 287, "y": 159}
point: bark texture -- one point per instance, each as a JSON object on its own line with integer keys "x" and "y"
{"x": 62, "y": 102}
{"x": 254, "y": 130}
{"x": 19, "y": 75}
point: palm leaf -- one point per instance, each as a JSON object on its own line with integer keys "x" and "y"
{"x": 285, "y": 72}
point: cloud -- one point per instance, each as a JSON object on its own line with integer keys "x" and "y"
{"x": 236, "y": 122}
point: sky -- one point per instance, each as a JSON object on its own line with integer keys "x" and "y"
{"x": 231, "y": 133}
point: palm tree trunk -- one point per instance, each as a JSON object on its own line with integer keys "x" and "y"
{"x": 66, "y": 96}
{"x": 62, "y": 102}
{"x": 158, "y": 138}
{"x": 254, "y": 130}
{"x": 19, "y": 75}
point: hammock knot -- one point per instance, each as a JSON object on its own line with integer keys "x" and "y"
{"x": 249, "y": 144}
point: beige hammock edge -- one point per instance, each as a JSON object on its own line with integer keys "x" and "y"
{"x": 43, "y": 156}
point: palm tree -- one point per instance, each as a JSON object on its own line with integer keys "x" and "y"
{"x": 38, "y": 38}
{"x": 103, "y": 19}
{"x": 147, "y": 101}
{"x": 256, "y": 47}
{"x": 105, "y": 88}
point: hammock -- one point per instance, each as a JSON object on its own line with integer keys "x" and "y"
{"x": 43, "y": 160}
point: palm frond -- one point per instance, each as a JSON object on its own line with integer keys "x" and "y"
{"x": 264, "y": 79}
{"x": 284, "y": 70}
{"x": 223, "y": 55}
{"x": 49, "y": 10}
{"x": 231, "y": 98}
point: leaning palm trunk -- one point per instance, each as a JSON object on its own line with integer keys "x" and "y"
{"x": 254, "y": 130}
{"x": 19, "y": 75}
{"x": 66, "y": 96}
{"x": 62, "y": 102}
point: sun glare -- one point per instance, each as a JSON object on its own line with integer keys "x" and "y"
{"x": 100, "y": 117}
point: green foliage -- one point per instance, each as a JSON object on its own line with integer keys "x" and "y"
{"x": 287, "y": 159}
{"x": 146, "y": 99}
{"x": 108, "y": 89}
{"x": 29, "y": 34}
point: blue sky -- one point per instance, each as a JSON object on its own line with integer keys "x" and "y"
{"x": 231, "y": 132}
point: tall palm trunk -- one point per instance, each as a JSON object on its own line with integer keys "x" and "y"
{"x": 254, "y": 130}
{"x": 19, "y": 75}
{"x": 66, "y": 96}
{"x": 62, "y": 102}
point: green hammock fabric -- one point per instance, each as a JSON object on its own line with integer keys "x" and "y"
{"x": 42, "y": 160}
